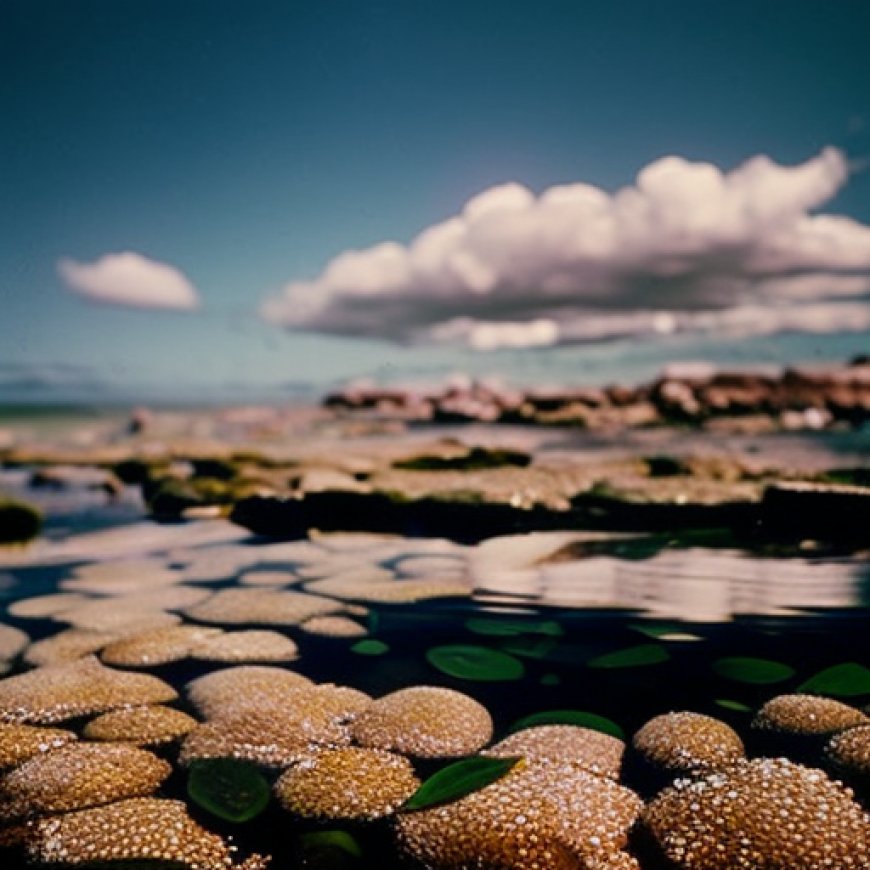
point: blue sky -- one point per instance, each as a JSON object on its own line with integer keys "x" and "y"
{"x": 248, "y": 144}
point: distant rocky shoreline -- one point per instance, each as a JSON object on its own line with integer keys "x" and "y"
{"x": 687, "y": 395}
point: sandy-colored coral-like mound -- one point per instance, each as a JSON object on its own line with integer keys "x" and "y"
{"x": 248, "y": 685}
{"x": 334, "y": 626}
{"x": 12, "y": 641}
{"x": 280, "y": 731}
{"x": 68, "y": 645}
{"x": 424, "y": 721}
{"x": 807, "y": 715}
{"x": 769, "y": 813}
{"x": 538, "y": 817}
{"x": 79, "y": 775}
{"x": 55, "y": 693}
{"x": 684, "y": 741}
{"x": 348, "y": 783}
{"x": 849, "y": 751}
{"x": 262, "y": 606}
{"x": 125, "y": 616}
{"x": 158, "y": 647}
{"x": 142, "y": 726}
{"x": 44, "y": 606}
{"x": 20, "y": 742}
{"x": 246, "y": 646}
{"x": 139, "y": 829}
{"x": 565, "y": 744}
{"x": 391, "y": 591}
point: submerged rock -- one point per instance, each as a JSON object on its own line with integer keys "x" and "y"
{"x": 425, "y": 722}
{"x": 767, "y": 813}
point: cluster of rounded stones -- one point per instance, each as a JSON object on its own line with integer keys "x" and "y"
{"x": 68, "y": 798}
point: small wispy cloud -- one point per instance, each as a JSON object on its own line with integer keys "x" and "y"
{"x": 130, "y": 279}
{"x": 687, "y": 247}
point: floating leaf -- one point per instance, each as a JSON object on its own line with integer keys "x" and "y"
{"x": 737, "y": 706}
{"x": 752, "y": 670}
{"x": 570, "y": 717}
{"x": 667, "y": 632}
{"x": 332, "y": 840}
{"x": 530, "y": 647}
{"x": 475, "y": 663}
{"x": 841, "y": 681}
{"x": 229, "y": 789}
{"x": 632, "y": 657}
{"x": 511, "y": 627}
{"x": 459, "y": 779}
{"x": 370, "y": 647}
{"x": 550, "y": 680}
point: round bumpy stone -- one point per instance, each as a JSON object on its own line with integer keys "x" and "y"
{"x": 769, "y": 813}
{"x": 426, "y": 722}
{"x": 348, "y": 783}
{"x": 684, "y": 742}
{"x": 807, "y": 715}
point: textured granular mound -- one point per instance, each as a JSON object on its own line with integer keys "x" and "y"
{"x": 68, "y": 645}
{"x": 849, "y": 751}
{"x": 247, "y": 646}
{"x": 142, "y": 726}
{"x": 249, "y": 685}
{"x": 538, "y": 817}
{"x": 20, "y": 742}
{"x": 12, "y": 642}
{"x": 769, "y": 813}
{"x": 807, "y": 715}
{"x": 426, "y": 722}
{"x": 55, "y": 693}
{"x": 349, "y": 783}
{"x": 683, "y": 742}
{"x": 565, "y": 744}
{"x": 44, "y": 606}
{"x": 262, "y": 606}
{"x": 391, "y": 591}
{"x": 125, "y": 617}
{"x": 79, "y": 775}
{"x": 140, "y": 829}
{"x": 158, "y": 647}
{"x": 334, "y": 626}
{"x": 280, "y": 731}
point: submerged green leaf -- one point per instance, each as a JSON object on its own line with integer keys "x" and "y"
{"x": 844, "y": 681}
{"x": 475, "y": 663}
{"x": 744, "y": 669}
{"x": 459, "y": 779}
{"x": 370, "y": 647}
{"x": 737, "y": 706}
{"x": 332, "y": 840}
{"x": 530, "y": 647}
{"x": 511, "y": 627}
{"x": 570, "y": 717}
{"x": 229, "y": 789}
{"x": 632, "y": 657}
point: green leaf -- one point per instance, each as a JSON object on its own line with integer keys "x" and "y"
{"x": 511, "y": 627}
{"x": 333, "y": 840}
{"x": 370, "y": 647}
{"x": 530, "y": 647}
{"x": 743, "y": 669}
{"x": 737, "y": 706}
{"x": 842, "y": 681}
{"x": 550, "y": 680}
{"x": 667, "y": 632}
{"x": 570, "y": 717}
{"x": 459, "y": 779}
{"x": 632, "y": 657}
{"x": 229, "y": 789}
{"x": 475, "y": 663}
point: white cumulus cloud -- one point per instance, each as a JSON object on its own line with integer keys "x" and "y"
{"x": 687, "y": 247}
{"x": 130, "y": 279}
